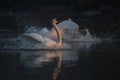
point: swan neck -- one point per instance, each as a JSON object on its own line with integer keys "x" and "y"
{"x": 58, "y": 34}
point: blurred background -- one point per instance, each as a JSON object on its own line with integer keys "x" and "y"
{"x": 101, "y": 17}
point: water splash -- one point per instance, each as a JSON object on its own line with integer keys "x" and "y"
{"x": 68, "y": 35}
{"x": 75, "y": 35}
{"x": 68, "y": 29}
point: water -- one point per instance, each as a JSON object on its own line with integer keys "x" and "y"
{"x": 86, "y": 61}
{"x": 87, "y": 58}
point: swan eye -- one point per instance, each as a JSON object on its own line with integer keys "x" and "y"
{"x": 58, "y": 20}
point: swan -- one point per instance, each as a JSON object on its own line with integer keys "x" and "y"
{"x": 66, "y": 27}
{"x": 35, "y": 38}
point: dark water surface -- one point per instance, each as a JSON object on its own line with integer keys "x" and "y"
{"x": 86, "y": 61}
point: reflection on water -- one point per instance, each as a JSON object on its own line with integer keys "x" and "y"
{"x": 33, "y": 59}
{"x": 36, "y": 59}
{"x": 85, "y": 61}
{"x": 43, "y": 58}
{"x": 58, "y": 67}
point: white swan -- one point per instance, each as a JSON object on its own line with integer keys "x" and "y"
{"x": 32, "y": 39}
{"x": 66, "y": 28}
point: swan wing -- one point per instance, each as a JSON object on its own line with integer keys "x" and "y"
{"x": 28, "y": 41}
{"x": 68, "y": 24}
{"x": 31, "y": 29}
{"x": 38, "y": 37}
{"x": 43, "y": 31}
{"x": 34, "y": 36}
{"x": 33, "y": 40}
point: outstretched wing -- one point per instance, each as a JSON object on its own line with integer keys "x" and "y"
{"x": 68, "y": 24}
{"x": 27, "y": 41}
{"x": 33, "y": 36}
{"x": 30, "y": 40}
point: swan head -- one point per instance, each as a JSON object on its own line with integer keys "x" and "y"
{"x": 56, "y": 20}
